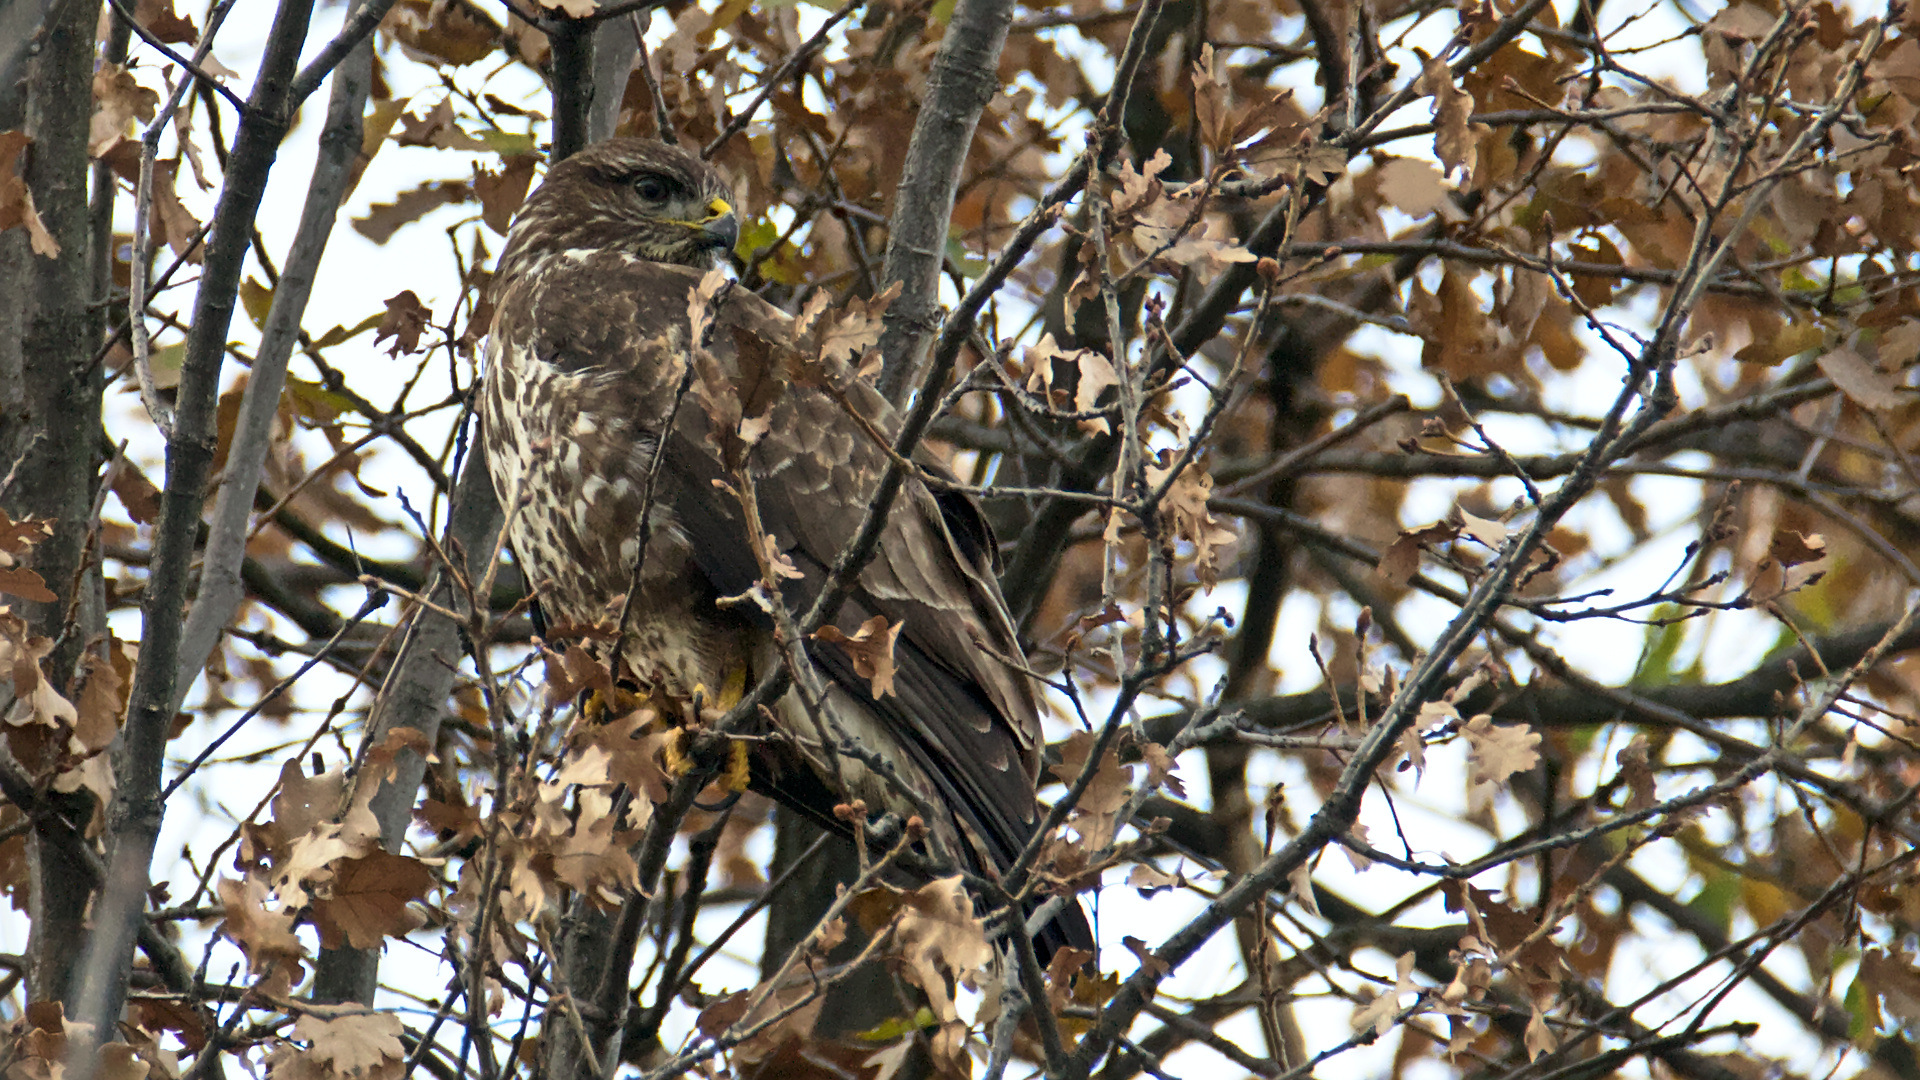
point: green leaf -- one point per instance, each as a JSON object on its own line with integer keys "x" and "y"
{"x": 1662, "y": 649}
{"x": 1863, "y": 1012}
{"x": 507, "y": 143}
{"x": 900, "y": 1026}
{"x": 316, "y": 402}
{"x": 341, "y": 334}
{"x": 257, "y": 299}
{"x": 166, "y": 364}
{"x": 1716, "y": 898}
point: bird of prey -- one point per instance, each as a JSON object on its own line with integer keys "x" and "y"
{"x": 583, "y": 417}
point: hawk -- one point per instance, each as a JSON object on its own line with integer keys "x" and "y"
{"x": 583, "y": 415}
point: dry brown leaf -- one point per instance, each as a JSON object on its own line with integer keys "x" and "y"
{"x": 1402, "y": 558}
{"x": 1300, "y": 884}
{"x": 1139, "y": 188}
{"x": 1455, "y": 140}
{"x": 855, "y": 327}
{"x": 1149, "y": 879}
{"x": 304, "y": 802}
{"x": 1637, "y": 773}
{"x": 568, "y": 673}
{"x": 633, "y": 743}
{"x": 1161, "y": 770}
{"x": 1186, "y": 508}
{"x": 367, "y": 900}
{"x": 434, "y": 31}
{"x": 1862, "y": 383}
{"x": 362, "y": 1045}
{"x": 36, "y": 702}
{"x": 1148, "y": 960}
{"x": 1789, "y": 548}
{"x": 1357, "y": 834}
{"x": 1046, "y": 362}
{"x": 1896, "y": 982}
{"x": 26, "y": 584}
{"x": 166, "y": 25}
{"x": 118, "y": 100}
{"x": 593, "y": 857}
{"x": 266, "y": 936}
{"x": 174, "y": 221}
{"x": 16, "y": 199}
{"x": 102, "y": 704}
{"x": 1379, "y": 1012}
{"x": 1485, "y": 530}
{"x": 385, "y": 219}
{"x": 437, "y": 128}
{"x": 406, "y": 319}
{"x": 1414, "y": 187}
{"x": 501, "y": 193}
{"x": 870, "y": 648}
{"x": 1540, "y": 1038}
{"x": 1499, "y": 750}
{"x": 136, "y": 493}
{"x": 1096, "y": 815}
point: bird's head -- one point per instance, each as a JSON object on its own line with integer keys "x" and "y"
{"x": 640, "y": 196}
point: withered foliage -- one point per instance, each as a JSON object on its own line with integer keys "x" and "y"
{"x": 1456, "y": 470}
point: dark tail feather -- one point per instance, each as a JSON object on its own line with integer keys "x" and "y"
{"x": 1069, "y": 929}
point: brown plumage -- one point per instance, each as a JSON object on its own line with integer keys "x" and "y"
{"x": 585, "y": 360}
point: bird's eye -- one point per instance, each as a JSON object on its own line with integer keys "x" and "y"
{"x": 652, "y": 188}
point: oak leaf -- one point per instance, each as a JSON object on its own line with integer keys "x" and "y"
{"x": 362, "y": 1045}
{"x": 406, "y": 319}
{"x": 1455, "y": 138}
{"x": 1185, "y": 505}
{"x": 265, "y": 935}
{"x": 870, "y": 648}
{"x": 119, "y": 100}
{"x": 1862, "y": 383}
{"x": 501, "y": 193}
{"x": 1497, "y": 751}
{"x": 16, "y": 199}
{"x": 367, "y": 900}
{"x": 436, "y": 128}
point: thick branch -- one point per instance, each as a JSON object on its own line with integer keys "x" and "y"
{"x": 135, "y": 823}
{"x": 964, "y": 78}
{"x": 220, "y": 589}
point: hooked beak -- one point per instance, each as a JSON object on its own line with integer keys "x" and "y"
{"x": 720, "y": 229}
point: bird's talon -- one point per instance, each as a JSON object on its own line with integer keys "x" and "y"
{"x": 600, "y": 706}
{"x": 673, "y": 753}
{"x": 737, "y": 774}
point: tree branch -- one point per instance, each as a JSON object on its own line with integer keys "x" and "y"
{"x": 135, "y": 822}
{"x": 964, "y": 78}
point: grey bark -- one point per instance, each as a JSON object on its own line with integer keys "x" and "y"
{"x": 47, "y": 391}
{"x": 221, "y": 590}
{"x": 415, "y": 695}
{"x": 965, "y": 77}
{"x": 134, "y": 824}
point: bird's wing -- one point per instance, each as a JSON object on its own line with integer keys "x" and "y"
{"x": 968, "y": 719}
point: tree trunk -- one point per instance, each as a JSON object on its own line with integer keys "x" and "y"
{"x": 50, "y": 389}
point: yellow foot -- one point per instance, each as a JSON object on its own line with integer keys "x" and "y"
{"x": 673, "y": 753}
{"x": 731, "y": 691}
{"x": 737, "y": 774}
{"x": 600, "y": 706}
{"x": 676, "y": 760}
